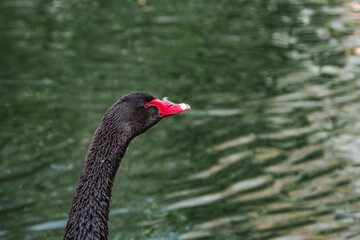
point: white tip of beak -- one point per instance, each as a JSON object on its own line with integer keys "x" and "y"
{"x": 184, "y": 106}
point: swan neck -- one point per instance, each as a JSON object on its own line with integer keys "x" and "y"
{"x": 89, "y": 214}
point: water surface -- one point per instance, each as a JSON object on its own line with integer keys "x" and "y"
{"x": 270, "y": 149}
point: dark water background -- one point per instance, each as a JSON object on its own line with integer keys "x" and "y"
{"x": 270, "y": 149}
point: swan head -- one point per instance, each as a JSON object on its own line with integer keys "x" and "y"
{"x": 138, "y": 111}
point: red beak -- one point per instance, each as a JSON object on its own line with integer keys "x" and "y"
{"x": 168, "y": 108}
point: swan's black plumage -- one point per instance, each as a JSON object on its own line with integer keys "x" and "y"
{"x": 126, "y": 119}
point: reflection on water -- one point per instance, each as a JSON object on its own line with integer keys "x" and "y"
{"x": 269, "y": 151}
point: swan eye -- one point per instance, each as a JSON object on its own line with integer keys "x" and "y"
{"x": 146, "y": 105}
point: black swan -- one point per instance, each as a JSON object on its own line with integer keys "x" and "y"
{"x": 130, "y": 116}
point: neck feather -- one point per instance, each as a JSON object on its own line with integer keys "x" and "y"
{"x": 90, "y": 209}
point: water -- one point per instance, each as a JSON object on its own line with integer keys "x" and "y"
{"x": 269, "y": 150}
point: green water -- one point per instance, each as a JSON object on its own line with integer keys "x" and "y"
{"x": 270, "y": 149}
